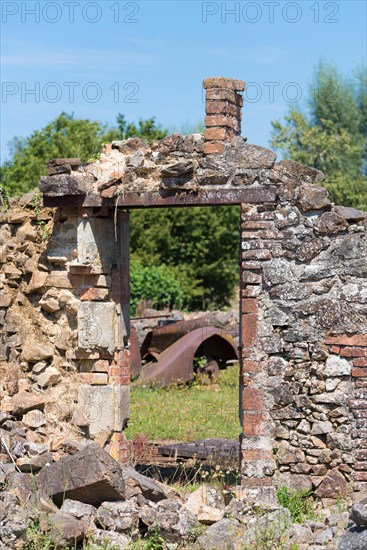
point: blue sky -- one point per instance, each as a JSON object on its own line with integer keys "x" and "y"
{"x": 147, "y": 58}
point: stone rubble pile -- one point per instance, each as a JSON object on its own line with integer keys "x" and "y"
{"x": 87, "y": 495}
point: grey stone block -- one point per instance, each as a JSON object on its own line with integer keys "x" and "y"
{"x": 103, "y": 408}
{"x": 96, "y": 325}
{"x": 96, "y": 241}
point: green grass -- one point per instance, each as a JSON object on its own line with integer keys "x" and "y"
{"x": 187, "y": 413}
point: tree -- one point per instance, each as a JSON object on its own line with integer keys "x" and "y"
{"x": 331, "y": 135}
{"x": 147, "y": 129}
{"x": 199, "y": 245}
{"x": 65, "y": 136}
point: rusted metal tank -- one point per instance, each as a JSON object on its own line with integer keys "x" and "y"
{"x": 180, "y": 350}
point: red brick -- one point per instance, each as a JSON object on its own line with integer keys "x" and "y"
{"x": 256, "y": 244}
{"x": 256, "y": 266}
{"x": 215, "y": 134}
{"x": 361, "y": 455}
{"x": 360, "y": 383}
{"x": 361, "y": 486}
{"x": 358, "y": 404}
{"x": 245, "y": 380}
{"x": 362, "y": 465}
{"x": 257, "y": 454}
{"x": 353, "y": 352}
{"x": 116, "y": 380}
{"x": 256, "y": 255}
{"x": 251, "y": 278}
{"x": 251, "y": 291}
{"x": 255, "y": 423}
{"x": 249, "y": 329}
{"x": 345, "y": 340}
{"x": 253, "y": 399}
{"x": 260, "y": 224}
{"x": 221, "y": 107}
{"x": 102, "y": 365}
{"x": 218, "y": 94}
{"x": 114, "y": 371}
{"x": 360, "y": 362}
{"x": 267, "y": 234}
{"x": 255, "y": 215}
{"x": 334, "y": 349}
{"x": 122, "y": 358}
{"x": 256, "y": 482}
{"x": 250, "y": 305}
{"x": 359, "y": 372}
{"x": 93, "y": 294}
{"x": 253, "y": 366}
{"x": 213, "y": 147}
{"x": 225, "y": 83}
{"x": 360, "y": 476}
{"x": 94, "y": 378}
{"x": 221, "y": 120}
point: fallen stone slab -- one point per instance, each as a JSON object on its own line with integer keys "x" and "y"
{"x": 137, "y": 484}
{"x": 118, "y": 516}
{"x": 35, "y": 463}
{"x": 34, "y": 352}
{"x": 354, "y": 538}
{"x": 109, "y": 539}
{"x": 359, "y": 512}
{"x": 23, "y": 402}
{"x": 22, "y": 486}
{"x": 226, "y": 533}
{"x": 14, "y": 521}
{"x": 209, "y": 515}
{"x": 65, "y": 184}
{"x": 79, "y": 510}
{"x": 64, "y": 530}
{"x": 91, "y": 476}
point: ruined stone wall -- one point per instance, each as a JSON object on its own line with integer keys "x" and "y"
{"x": 304, "y": 335}
{"x": 62, "y": 287}
{"x": 303, "y": 295}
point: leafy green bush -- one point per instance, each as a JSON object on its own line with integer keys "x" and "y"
{"x": 299, "y": 503}
{"x": 156, "y": 284}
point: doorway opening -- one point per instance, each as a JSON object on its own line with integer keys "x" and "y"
{"x": 184, "y": 283}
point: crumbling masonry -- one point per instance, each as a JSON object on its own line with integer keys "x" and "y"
{"x": 64, "y": 302}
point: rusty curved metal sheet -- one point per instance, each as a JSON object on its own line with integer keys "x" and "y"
{"x": 175, "y": 363}
{"x": 160, "y": 338}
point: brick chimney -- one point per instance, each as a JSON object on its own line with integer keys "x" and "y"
{"x": 223, "y": 112}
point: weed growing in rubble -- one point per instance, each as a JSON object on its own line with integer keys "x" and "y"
{"x": 4, "y": 198}
{"x": 36, "y": 539}
{"x": 42, "y": 229}
{"x": 153, "y": 541}
{"x": 269, "y": 533}
{"x": 300, "y": 503}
